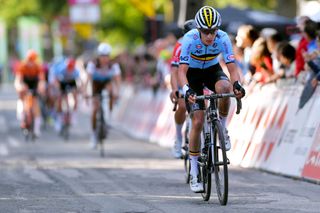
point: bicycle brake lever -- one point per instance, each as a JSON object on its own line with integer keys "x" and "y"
{"x": 239, "y": 106}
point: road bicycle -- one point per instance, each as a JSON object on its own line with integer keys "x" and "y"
{"x": 28, "y": 115}
{"x": 66, "y": 101}
{"x": 213, "y": 156}
{"x": 101, "y": 125}
{"x": 185, "y": 147}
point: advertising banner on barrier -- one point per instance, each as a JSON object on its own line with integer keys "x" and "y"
{"x": 270, "y": 132}
{"x": 311, "y": 168}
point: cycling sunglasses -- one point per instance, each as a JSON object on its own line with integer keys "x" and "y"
{"x": 209, "y": 31}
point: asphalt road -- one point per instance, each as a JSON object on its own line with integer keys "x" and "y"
{"x": 52, "y": 175}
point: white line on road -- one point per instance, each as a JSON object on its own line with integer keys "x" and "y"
{"x": 4, "y": 150}
{"x": 4, "y": 127}
{"x": 37, "y": 175}
{"x": 13, "y": 142}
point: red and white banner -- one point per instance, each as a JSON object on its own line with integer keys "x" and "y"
{"x": 270, "y": 133}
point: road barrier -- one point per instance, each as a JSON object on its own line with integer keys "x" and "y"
{"x": 270, "y": 133}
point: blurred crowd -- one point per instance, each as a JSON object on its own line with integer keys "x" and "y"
{"x": 263, "y": 56}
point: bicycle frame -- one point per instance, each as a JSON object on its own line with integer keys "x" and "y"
{"x": 29, "y": 113}
{"x": 66, "y": 113}
{"x": 101, "y": 126}
{"x": 213, "y": 156}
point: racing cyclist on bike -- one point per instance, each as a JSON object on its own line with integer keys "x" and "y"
{"x": 176, "y": 91}
{"x": 101, "y": 73}
{"x": 199, "y": 67}
{"x": 65, "y": 77}
{"x": 30, "y": 76}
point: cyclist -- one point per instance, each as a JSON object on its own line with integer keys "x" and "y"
{"x": 66, "y": 76}
{"x": 101, "y": 73}
{"x": 30, "y": 76}
{"x": 199, "y": 67}
{"x": 180, "y": 114}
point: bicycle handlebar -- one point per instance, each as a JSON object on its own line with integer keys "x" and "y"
{"x": 223, "y": 95}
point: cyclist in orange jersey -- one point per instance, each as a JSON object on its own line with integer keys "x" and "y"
{"x": 30, "y": 77}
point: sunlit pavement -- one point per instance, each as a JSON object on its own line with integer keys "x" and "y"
{"x": 53, "y": 175}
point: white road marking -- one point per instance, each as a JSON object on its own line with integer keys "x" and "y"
{"x": 4, "y": 150}
{"x": 37, "y": 175}
{"x": 70, "y": 173}
{"x": 13, "y": 142}
{"x": 4, "y": 127}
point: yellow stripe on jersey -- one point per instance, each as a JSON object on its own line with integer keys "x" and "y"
{"x": 203, "y": 57}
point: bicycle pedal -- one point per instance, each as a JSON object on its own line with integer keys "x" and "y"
{"x": 185, "y": 148}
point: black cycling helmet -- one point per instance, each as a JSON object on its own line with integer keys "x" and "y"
{"x": 189, "y": 25}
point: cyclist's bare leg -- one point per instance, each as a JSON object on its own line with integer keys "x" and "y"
{"x": 223, "y": 86}
{"x": 194, "y": 145}
{"x": 58, "y": 118}
{"x": 95, "y": 107}
{"x": 180, "y": 114}
{"x": 75, "y": 99}
{"x": 75, "y": 105}
{"x": 37, "y": 116}
{"x": 111, "y": 96}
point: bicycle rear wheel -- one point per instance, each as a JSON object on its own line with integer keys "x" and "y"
{"x": 187, "y": 167}
{"x": 101, "y": 132}
{"x": 220, "y": 162}
{"x": 186, "y": 155}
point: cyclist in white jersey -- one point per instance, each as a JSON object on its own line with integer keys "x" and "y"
{"x": 199, "y": 67}
{"x": 101, "y": 73}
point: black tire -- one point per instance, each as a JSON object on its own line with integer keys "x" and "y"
{"x": 101, "y": 145}
{"x": 66, "y": 133}
{"x": 101, "y": 132}
{"x": 220, "y": 163}
{"x": 186, "y": 155}
{"x": 187, "y": 167}
{"x": 206, "y": 169}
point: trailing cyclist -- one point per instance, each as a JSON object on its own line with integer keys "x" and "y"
{"x": 176, "y": 91}
{"x": 30, "y": 78}
{"x": 102, "y": 73}
{"x": 199, "y": 67}
{"x": 65, "y": 77}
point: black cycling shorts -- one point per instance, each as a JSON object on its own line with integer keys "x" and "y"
{"x": 98, "y": 86}
{"x": 31, "y": 82}
{"x": 66, "y": 86}
{"x": 200, "y": 78}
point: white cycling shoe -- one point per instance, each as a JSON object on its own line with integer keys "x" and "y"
{"x": 226, "y": 139}
{"x": 195, "y": 185}
{"x": 93, "y": 141}
{"x": 176, "y": 151}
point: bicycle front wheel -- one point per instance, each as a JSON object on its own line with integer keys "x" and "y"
{"x": 220, "y": 162}
{"x": 206, "y": 170}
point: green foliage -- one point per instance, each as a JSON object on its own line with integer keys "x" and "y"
{"x": 121, "y": 23}
{"x": 45, "y": 10}
{"x": 254, "y": 4}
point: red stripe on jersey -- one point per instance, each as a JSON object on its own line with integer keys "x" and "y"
{"x": 176, "y": 54}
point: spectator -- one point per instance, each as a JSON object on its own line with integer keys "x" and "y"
{"x": 302, "y": 45}
{"x": 261, "y": 60}
{"x": 287, "y": 60}
{"x": 313, "y": 61}
{"x": 272, "y": 43}
{"x": 245, "y": 38}
{"x": 310, "y": 33}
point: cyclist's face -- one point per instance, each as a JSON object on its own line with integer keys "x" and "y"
{"x": 104, "y": 59}
{"x": 208, "y": 35}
